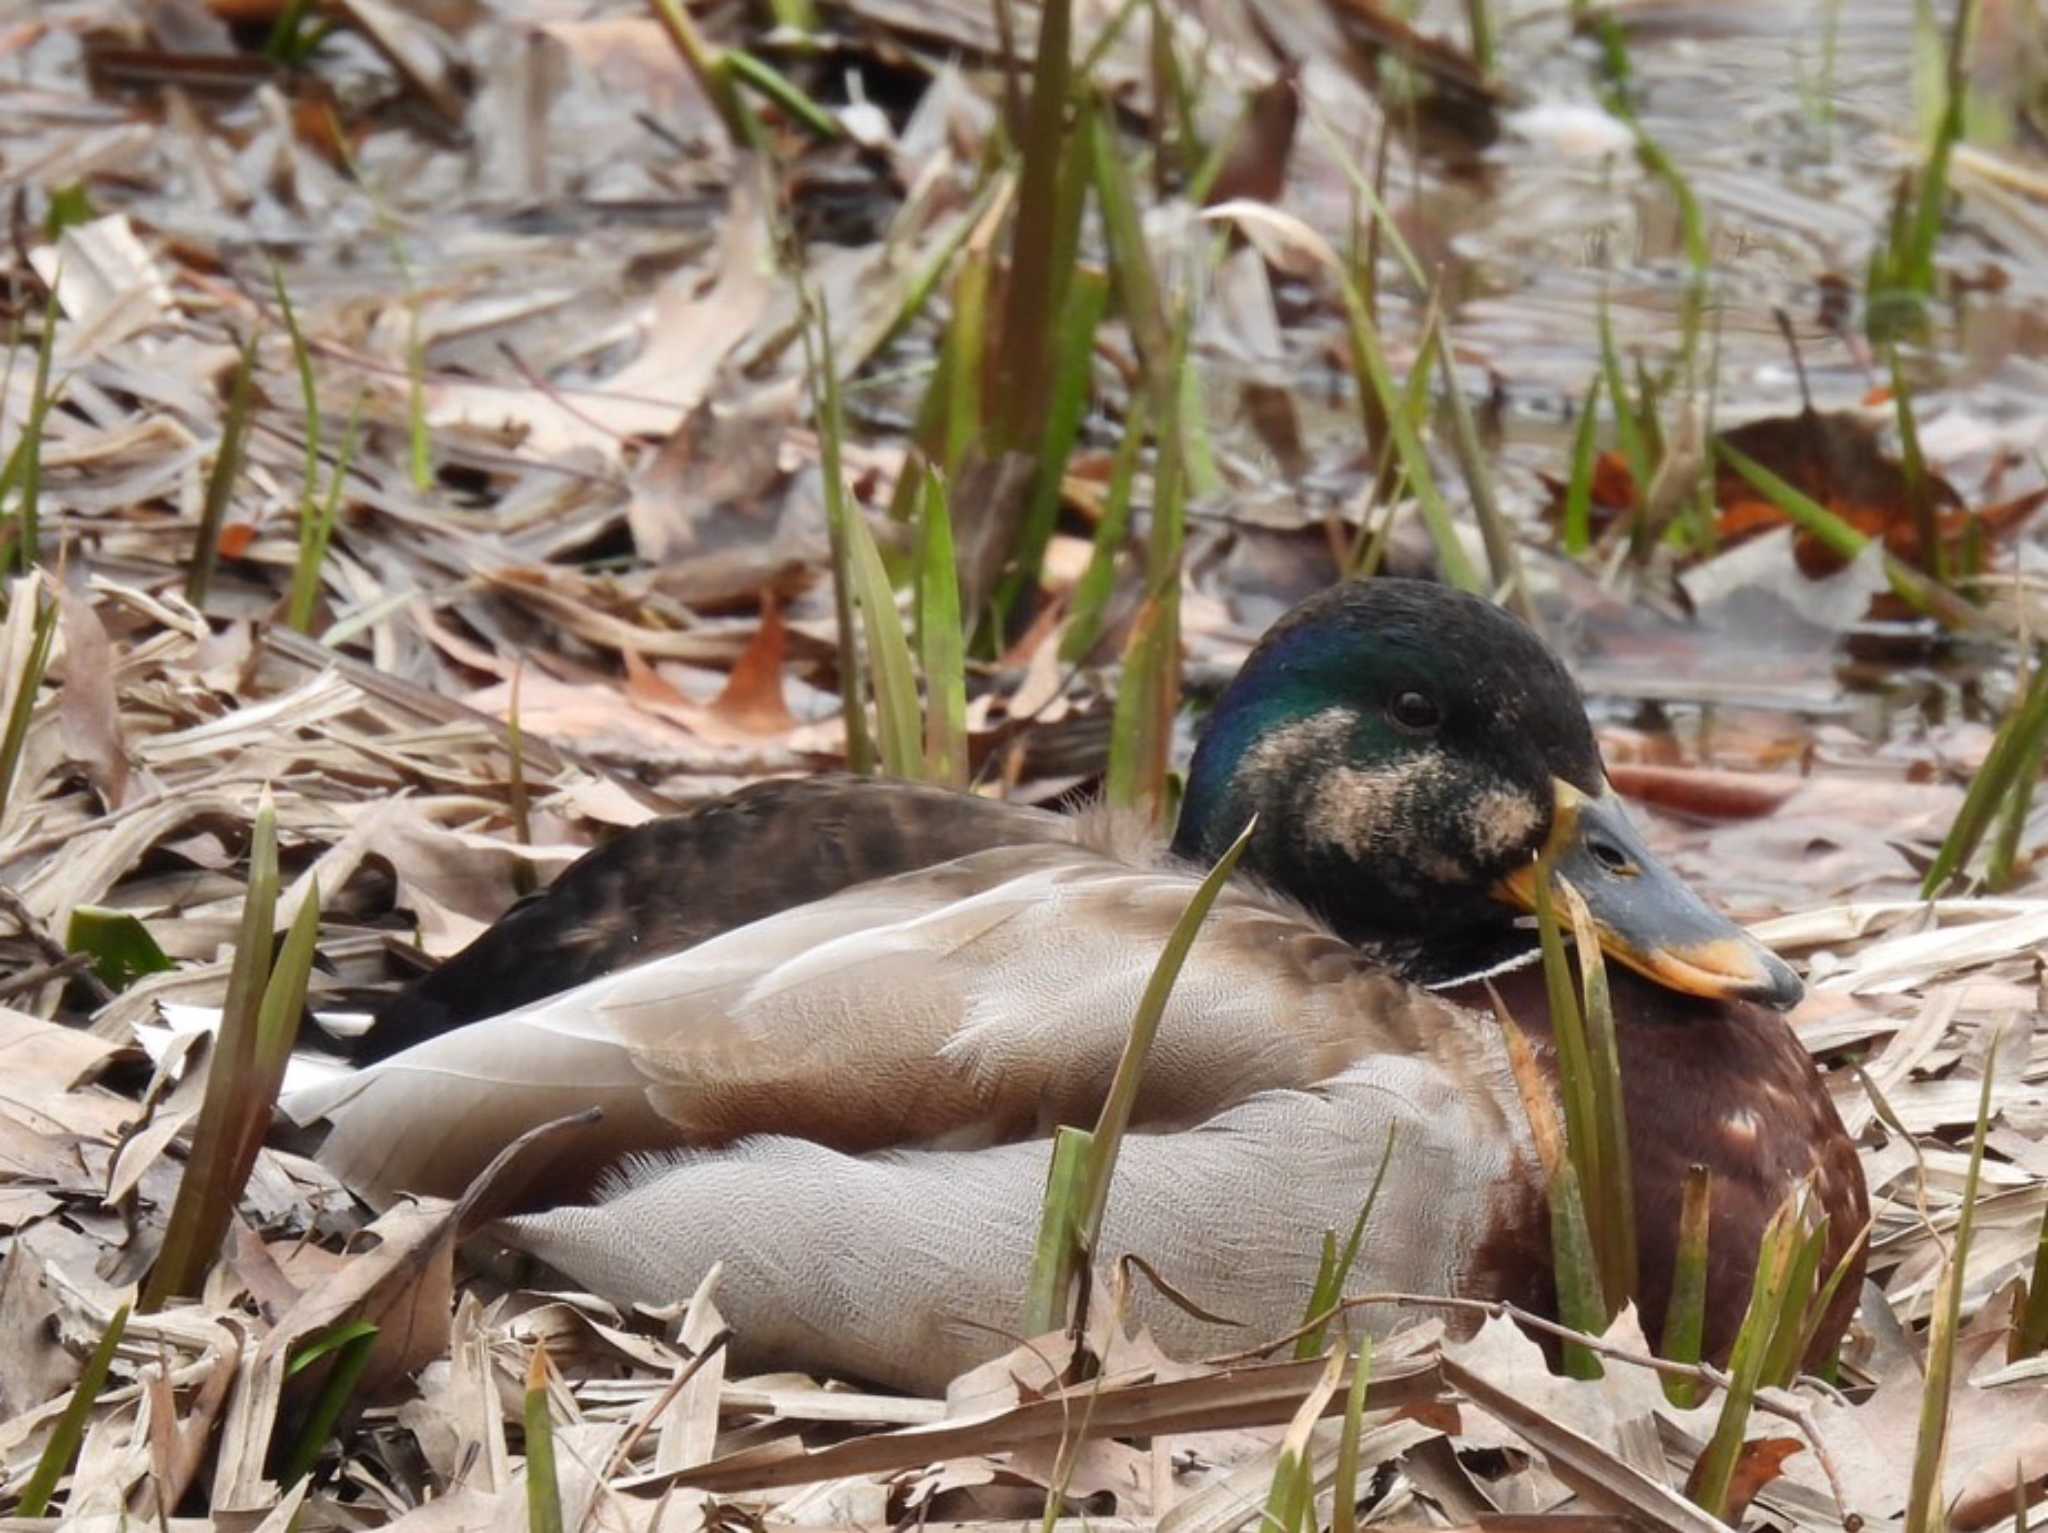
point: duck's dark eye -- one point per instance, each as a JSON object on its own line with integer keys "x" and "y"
{"x": 1413, "y": 712}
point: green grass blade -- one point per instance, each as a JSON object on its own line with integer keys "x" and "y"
{"x": 1292, "y": 1494}
{"x": 897, "y": 725}
{"x": 1123, "y": 1091}
{"x": 1098, "y": 582}
{"x": 1142, "y": 722}
{"x": 1685, "y": 1315}
{"x": 1919, "y": 483}
{"x": 309, "y": 394}
{"x": 831, "y": 421}
{"x": 1036, "y": 289}
{"x": 543, "y": 1491}
{"x": 1612, "y": 1203}
{"x": 1087, "y": 298}
{"x": 1574, "y": 1064}
{"x": 350, "y": 1345}
{"x": 966, "y": 355}
{"x": 1336, "y": 1271}
{"x": 1628, "y": 430}
{"x": 1503, "y": 561}
{"x": 1580, "y": 1304}
{"x": 2030, "y": 1338}
{"x": 1309, "y": 1344}
{"x": 1925, "y": 1511}
{"x": 1344, "y": 1502}
{"x": 1370, "y": 362}
{"x": 2014, "y": 757}
{"x": 1578, "y": 495}
{"x": 1914, "y": 269}
{"x": 941, "y": 640}
{"x": 1817, "y": 1311}
{"x": 1130, "y": 261}
{"x": 316, "y": 530}
{"x": 259, "y": 1019}
{"x": 220, "y": 484}
{"x": 1056, "y": 1258}
{"x": 62, "y": 1447}
{"x": 1788, "y": 1340}
{"x": 121, "y": 947}
{"x": 25, "y": 463}
{"x": 1840, "y": 538}
{"x": 771, "y": 83}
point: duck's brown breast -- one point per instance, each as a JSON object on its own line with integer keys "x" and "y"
{"x": 1722, "y": 1085}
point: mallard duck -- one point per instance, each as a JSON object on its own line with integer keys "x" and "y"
{"x": 830, "y": 1023}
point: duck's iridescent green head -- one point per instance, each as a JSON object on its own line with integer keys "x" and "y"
{"x": 1409, "y": 750}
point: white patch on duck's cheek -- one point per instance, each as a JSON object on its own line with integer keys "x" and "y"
{"x": 1504, "y": 821}
{"x": 1363, "y": 810}
{"x": 1281, "y": 750}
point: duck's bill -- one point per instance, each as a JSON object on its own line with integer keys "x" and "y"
{"x": 1647, "y": 916}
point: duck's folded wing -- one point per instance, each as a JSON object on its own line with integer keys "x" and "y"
{"x": 911, "y": 1266}
{"x": 975, "y": 1002}
{"x": 672, "y": 883}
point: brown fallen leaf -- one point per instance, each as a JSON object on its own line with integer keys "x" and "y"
{"x": 87, "y": 711}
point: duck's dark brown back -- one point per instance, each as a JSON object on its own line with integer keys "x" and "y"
{"x": 674, "y": 882}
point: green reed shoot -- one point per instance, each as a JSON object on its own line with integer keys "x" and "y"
{"x": 941, "y": 639}
{"x": 1614, "y": 1209}
{"x": 2007, "y": 777}
{"x": 1685, "y": 1314}
{"x": 898, "y": 727}
{"x": 259, "y": 1023}
{"x": 24, "y": 468}
{"x": 1715, "y": 1472}
{"x": 1335, "y": 1268}
{"x": 1629, "y": 437}
{"x": 1344, "y": 1490}
{"x": 1043, "y": 235}
{"x": 1919, "y": 483}
{"x": 1087, "y": 297}
{"x": 316, "y": 514}
{"x": 713, "y": 72}
{"x": 1503, "y": 561}
{"x": 69, "y": 1432}
{"x": 28, "y": 683}
{"x": 828, "y": 412}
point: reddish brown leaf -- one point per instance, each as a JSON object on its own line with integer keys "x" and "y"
{"x": 1762, "y": 1460}
{"x": 753, "y": 699}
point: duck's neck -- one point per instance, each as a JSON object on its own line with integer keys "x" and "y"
{"x": 1445, "y": 963}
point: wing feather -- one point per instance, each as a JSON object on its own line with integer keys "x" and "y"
{"x": 978, "y": 1001}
